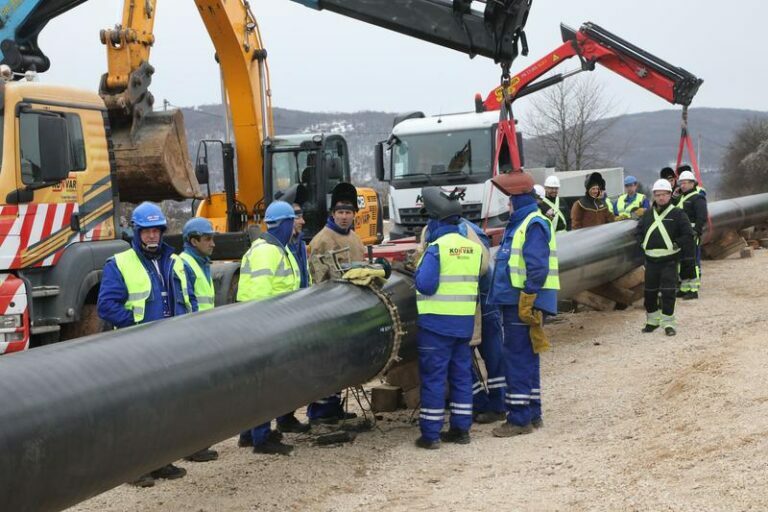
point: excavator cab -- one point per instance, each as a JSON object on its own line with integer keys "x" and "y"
{"x": 316, "y": 161}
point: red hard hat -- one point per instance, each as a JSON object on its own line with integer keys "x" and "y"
{"x": 514, "y": 183}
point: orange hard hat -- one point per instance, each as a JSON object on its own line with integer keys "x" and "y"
{"x": 514, "y": 183}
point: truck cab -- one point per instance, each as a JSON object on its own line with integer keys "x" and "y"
{"x": 57, "y": 190}
{"x": 448, "y": 151}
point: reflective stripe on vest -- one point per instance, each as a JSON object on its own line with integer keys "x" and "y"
{"x": 139, "y": 284}
{"x": 558, "y": 213}
{"x": 623, "y": 207}
{"x": 683, "y": 199}
{"x": 456, "y": 295}
{"x": 204, "y": 291}
{"x": 267, "y": 271}
{"x": 517, "y": 269}
{"x": 658, "y": 224}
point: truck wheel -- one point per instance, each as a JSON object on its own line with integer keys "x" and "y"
{"x": 89, "y": 323}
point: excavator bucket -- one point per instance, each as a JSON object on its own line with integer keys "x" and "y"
{"x": 153, "y": 162}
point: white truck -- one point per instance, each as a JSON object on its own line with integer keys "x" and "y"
{"x": 456, "y": 150}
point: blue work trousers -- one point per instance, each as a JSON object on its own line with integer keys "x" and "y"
{"x": 523, "y": 395}
{"x": 490, "y": 349}
{"x": 444, "y": 358}
{"x": 326, "y": 408}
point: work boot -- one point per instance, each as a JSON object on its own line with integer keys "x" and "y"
{"x": 275, "y": 435}
{"x": 490, "y": 417}
{"x": 292, "y": 425}
{"x": 650, "y": 328}
{"x": 691, "y": 296}
{"x": 454, "y": 435}
{"x": 670, "y": 331}
{"x": 680, "y": 294}
{"x": 427, "y": 444}
{"x": 169, "y": 472}
{"x": 204, "y": 455}
{"x": 273, "y": 447}
{"x": 537, "y": 423}
{"x": 144, "y": 481}
{"x": 509, "y": 430}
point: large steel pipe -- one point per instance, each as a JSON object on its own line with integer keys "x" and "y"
{"x": 81, "y": 417}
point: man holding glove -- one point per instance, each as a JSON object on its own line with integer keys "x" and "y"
{"x": 524, "y": 285}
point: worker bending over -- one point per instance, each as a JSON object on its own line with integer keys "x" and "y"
{"x": 338, "y": 233}
{"x": 693, "y": 201}
{"x": 591, "y": 209}
{"x": 550, "y": 205}
{"x": 666, "y": 238}
{"x": 524, "y": 285}
{"x": 447, "y": 280}
{"x": 268, "y": 270}
{"x": 631, "y": 204}
{"x": 143, "y": 284}
{"x": 198, "y": 248}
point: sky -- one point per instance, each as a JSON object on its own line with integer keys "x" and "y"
{"x": 321, "y": 61}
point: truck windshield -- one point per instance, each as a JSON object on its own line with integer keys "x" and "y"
{"x": 467, "y": 152}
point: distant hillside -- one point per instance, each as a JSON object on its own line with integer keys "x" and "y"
{"x": 642, "y": 143}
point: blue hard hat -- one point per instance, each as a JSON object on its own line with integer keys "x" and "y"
{"x": 630, "y": 180}
{"x": 197, "y": 226}
{"x": 279, "y": 210}
{"x": 148, "y": 215}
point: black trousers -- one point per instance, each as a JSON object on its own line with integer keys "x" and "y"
{"x": 660, "y": 286}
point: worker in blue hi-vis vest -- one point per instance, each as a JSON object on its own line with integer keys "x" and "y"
{"x": 524, "y": 285}
{"x": 447, "y": 280}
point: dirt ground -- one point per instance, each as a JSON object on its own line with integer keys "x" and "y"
{"x": 633, "y": 422}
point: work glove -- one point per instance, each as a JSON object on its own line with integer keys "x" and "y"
{"x": 638, "y": 213}
{"x": 623, "y": 216}
{"x": 365, "y": 276}
{"x": 550, "y": 213}
{"x": 539, "y": 339}
{"x": 525, "y": 309}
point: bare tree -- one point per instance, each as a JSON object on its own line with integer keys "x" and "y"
{"x": 745, "y": 163}
{"x": 569, "y": 121}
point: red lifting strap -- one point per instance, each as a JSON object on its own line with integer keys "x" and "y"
{"x": 687, "y": 143}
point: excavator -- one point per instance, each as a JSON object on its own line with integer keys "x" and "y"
{"x": 69, "y": 157}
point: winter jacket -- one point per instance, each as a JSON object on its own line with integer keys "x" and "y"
{"x": 588, "y": 212}
{"x": 328, "y": 240}
{"x": 564, "y": 210}
{"x": 695, "y": 207}
{"x": 680, "y": 233}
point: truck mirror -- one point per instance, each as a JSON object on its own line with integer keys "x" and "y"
{"x": 201, "y": 173}
{"x": 55, "y": 154}
{"x": 379, "y": 161}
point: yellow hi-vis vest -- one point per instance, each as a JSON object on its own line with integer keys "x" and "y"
{"x": 658, "y": 224}
{"x": 456, "y": 294}
{"x": 559, "y": 217}
{"x": 267, "y": 271}
{"x": 204, "y": 291}
{"x": 139, "y": 284}
{"x": 517, "y": 270}
{"x": 623, "y": 207}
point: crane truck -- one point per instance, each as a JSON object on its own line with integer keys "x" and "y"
{"x": 70, "y": 157}
{"x": 464, "y": 149}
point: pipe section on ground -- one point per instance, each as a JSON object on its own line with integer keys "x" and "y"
{"x": 81, "y": 417}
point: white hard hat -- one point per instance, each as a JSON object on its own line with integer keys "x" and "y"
{"x": 662, "y": 185}
{"x": 686, "y": 176}
{"x": 539, "y": 190}
{"x": 552, "y": 182}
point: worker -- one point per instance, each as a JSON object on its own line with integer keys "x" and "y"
{"x": 143, "y": 284}
{"x": 198, "y": 248}
{"x": 269, "y": 269}
{"x": 338, "y": 234}
{"x": 447, "y": 280}
{"x": 550, "y": 205}
{"x": 631, "y": 204}
{"x": 524, "y": 285}
{"x": 488, "y": 395}
{"x": 666, "y": 238}
{"x": 591, "y": 209}
{"x": 669, "y": 174}
{"x": 693, "y": 201}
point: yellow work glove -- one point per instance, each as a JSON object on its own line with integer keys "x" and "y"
{"x": 525, "y": 308}
{"x": 622, "y": 216}
{"x": 364, "y": 276}
{"x": 539, "y": 339}
{"x": 638, "y": 213}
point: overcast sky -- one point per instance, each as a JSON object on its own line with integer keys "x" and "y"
{"x": 324, "y": 62}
